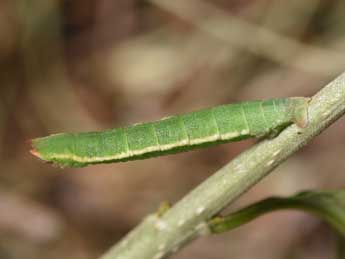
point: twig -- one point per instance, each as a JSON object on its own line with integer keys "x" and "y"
{"x": 158, "y": 236}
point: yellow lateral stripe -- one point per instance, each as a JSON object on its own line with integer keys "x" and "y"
{"x": 204, "y": 140}
{"x": 166, "y": 147}
{"x": 230, "y": 135}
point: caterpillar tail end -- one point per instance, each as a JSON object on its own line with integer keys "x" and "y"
{"x": 35, "y": 152}
{"x": 41, "y": 150}
{"x": 33, "y": 149}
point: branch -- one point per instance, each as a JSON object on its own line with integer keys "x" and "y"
{"x": 159, "y": 235}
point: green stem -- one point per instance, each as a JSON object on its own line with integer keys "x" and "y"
{"x": 226, "y": 223}
{"x": 236, "y": 219}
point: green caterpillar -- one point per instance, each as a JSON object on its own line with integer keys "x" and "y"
{"x": 174, "y": 134}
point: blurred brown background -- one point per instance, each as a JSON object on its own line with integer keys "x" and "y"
{"x": 87, "y": 65}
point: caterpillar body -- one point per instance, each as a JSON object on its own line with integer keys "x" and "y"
{"x": 216, "y": 125}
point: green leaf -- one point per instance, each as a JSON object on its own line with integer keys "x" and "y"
{"x": 328, "y": 205}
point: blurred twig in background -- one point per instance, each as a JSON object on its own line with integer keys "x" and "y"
{"x": 255, "y": 38}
